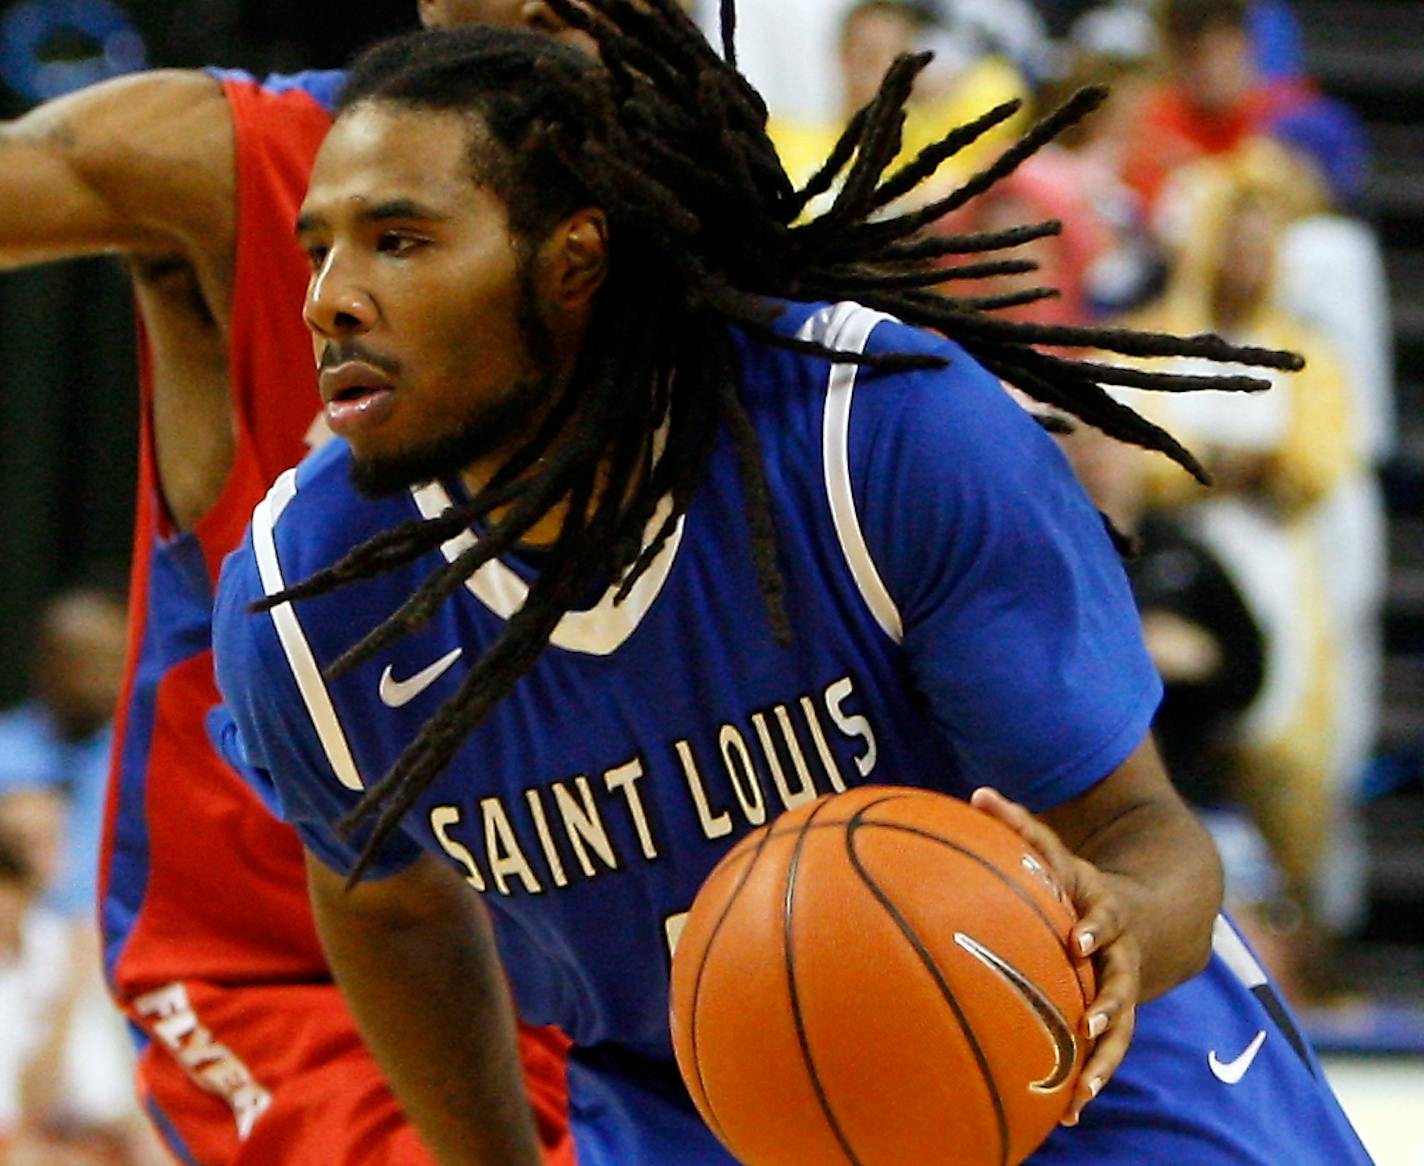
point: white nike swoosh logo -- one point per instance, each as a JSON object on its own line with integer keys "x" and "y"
{"x": 395, "y": 693}
{"x": 1230, "y": 1072}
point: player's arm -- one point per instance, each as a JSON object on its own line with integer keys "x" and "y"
{"x": 414, "y": 956}
{"x": 1146, "y": 882}
{"x": 143, "y": 164}
{"x": 1134, "y": 828}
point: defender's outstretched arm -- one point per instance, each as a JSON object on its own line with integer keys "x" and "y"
{"x": 140, "y": 165}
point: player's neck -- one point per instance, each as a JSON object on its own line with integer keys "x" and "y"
{"x": 545, "y": 532}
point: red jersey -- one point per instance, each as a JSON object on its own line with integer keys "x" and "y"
{"x": 209, "y": 941}
{"x": 198, "y": 880}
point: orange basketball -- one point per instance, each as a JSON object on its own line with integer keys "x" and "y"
{"x": 880, "y": 978}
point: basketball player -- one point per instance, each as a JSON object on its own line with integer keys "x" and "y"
{"x": 627, "y": 547}
{"x": 247, "y": 1053}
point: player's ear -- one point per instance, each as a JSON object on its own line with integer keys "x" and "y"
{"x": 576, "y": 259}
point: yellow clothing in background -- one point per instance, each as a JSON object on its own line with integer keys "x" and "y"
{"x": 803, "y": 146}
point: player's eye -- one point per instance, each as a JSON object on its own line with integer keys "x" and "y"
{"x": 316, "y": 256}
{"x": 398, "y": 243}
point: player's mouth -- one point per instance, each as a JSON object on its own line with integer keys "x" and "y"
{"x": 357, "y": 395}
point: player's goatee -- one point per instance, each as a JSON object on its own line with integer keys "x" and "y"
{"x": 490, "y": 428}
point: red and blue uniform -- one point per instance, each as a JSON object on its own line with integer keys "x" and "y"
{"x": 247, "y": 1053}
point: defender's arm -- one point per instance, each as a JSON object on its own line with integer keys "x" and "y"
{"x": 143, "y": 165}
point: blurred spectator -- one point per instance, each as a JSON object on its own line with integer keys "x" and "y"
{"x": 962, "y": 82}
{"x": 789, "y": 48}
{"x": 1214, "y": 97}
{"x": 1013, "y": 30}
{"x": 872, "y": 34}
{"x": 65, "y": 1093}
{"x": 1333, "y": 278}
{"x": 1118, "y": 262}
{"x": 35, "y": 816}
{"x": 59, "y": 740}
{"x": 1059, "y": 16}
{"x": 974, "y": 70}
{"x": 1278, "y": 459}
{"x": 1128, "y": 25}
{"x": 1050, "y": 185}
{"x": 67, "y": 1082}
{"x": 1209, "y": 651}
{"x": 29, "y": 976}
{"x": 1330, "y": 276}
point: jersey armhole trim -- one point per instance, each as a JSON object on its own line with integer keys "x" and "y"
{"x": 847, "y": 327}
{"x": 1235, "y": 954}
{"x": 300, "y": 658}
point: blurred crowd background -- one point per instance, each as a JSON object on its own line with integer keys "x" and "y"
{"x": 1258, "y": 172}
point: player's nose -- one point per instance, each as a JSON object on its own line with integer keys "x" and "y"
{"x": 337, "y": 302}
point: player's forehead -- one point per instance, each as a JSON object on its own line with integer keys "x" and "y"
{"x": 379, "y": 154}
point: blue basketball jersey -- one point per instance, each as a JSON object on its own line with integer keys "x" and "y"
{"x": 959, "y": 618}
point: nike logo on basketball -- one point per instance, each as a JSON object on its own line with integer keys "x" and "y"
{"x": 1055, "y": 1024}
{"x": 1230, "y": 1072}
{"x": 395, "y": 693}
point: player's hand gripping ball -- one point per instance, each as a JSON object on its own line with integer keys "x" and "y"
{"x": 880, "y": 978}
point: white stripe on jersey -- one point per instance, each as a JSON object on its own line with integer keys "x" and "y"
{"x": 1235, "y": 954}
{"x": 294, "y": 641}
{"x": 598, "y": 631}
{"x": 847, "y": 327}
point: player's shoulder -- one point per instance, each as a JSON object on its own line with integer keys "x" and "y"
{"x": 940, "y": 415}
{"x": 313, "y": 514}
{"x": 943, "y": 369}
{"x": 942, "y": 399}
{"x": 309, "y": 519}
{"x": 840, "y": 326}
{"x": 321, "y": 87}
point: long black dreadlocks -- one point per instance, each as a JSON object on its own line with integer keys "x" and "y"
{"x": 706, "y": 232}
